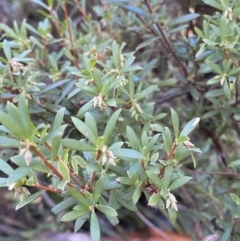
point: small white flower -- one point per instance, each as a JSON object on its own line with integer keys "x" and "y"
{"x": 27, "y": 155}
{"x": 108, "y": 156}
{"x": 12, "y": 186}
{"x": 188, "y": 144}
{"x": 171, "y": 201}
{"x": 98, "y": 101}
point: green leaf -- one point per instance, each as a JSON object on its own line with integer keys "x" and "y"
{"x": 234, "y": 163}
{"x": 175, "y": 122}
{"x": 14, "y": 127}
{"x": 110, "y": 185}
{"x": 7, "y": 50}
{"x": 58, "y": 119}
{"x": 18, "y": 174}
{"x": 145, "y": 92}
{"x": 128, "y": 205}
{"x": 194, "y": 161}
{"x": 3, "y": 182}
{"x": 91, "y": 123}
{"x": 28, "y": 200}
{"x": 168, "y": 82}
{"x": 84, "y": 129}
{"x": 79, "y": 223}
{"x": 56, "y": 141}
{"x": 115, "y": 54}
{"x": 98, "y": 190}
{"x": 63, "y": 205}
{"x": 235, "y": 198}
{"x": 154, "y": 199}
{"x": 94, "y": 227}
{"x": 227, "y": 90}
{"x": 172, "y": 215}
{"x": 92, "y": 63}
{"x": 136, "y": 195}
{"x": 167, "y": 139}
{"x": 127, "y": 64}
{"x": 227, "y": 232}
{"x": 135, "y": 10}
{"x": 189, "y": 127}
{"x": 167, "y": 176}
{"x": 127, "y": 181}
{"x": 128, "y": 153}
{"x": 183, "y": 19}
{"x": 214, "y": 67}
{"x": 181, "y": 139}
{"x": 214, "y": 4}
{"x": 131, "y": 86}
{"x": 223, "y": 28}
{"x": 147, "y": 42}
{"x": 26, "y": 123}
{"x": 214, "y": 93}
{"x": 63, "y": 169}
{"x": 73, "y": 215}
{"x": 108, "y": 211}
{"x": 111, "y": 124}
{"x": 77, "y": 145}
{"x": 78, "y": 196}
{"x": 155, "y": 179}
{"x": 5, "y": 167}
{"x": 84, "y": 109}
{"x": 82, "y": 163}
{"x": 179, "y": 182}
{"x": 8, "y": 142}
{"x": 234, "y": 71}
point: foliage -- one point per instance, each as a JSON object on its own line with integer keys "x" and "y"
{"x": 85, "y": 103}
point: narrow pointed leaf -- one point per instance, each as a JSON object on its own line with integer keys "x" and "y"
{"x": 63, "y": 169}
{"x": 73, "y": 215}
{"x": 108, "y": 211}
{"x": 5, "y": 167}
{"x": 111, "y": 124}
{"x": 128, "y": 153}
{"x": 9, "y": 142}
{"x": 94, "y": 227}
{"x": 28, "y": 200}
{"x": 175, "y": 122}
{"x": 84, "y": 129}
{"x": 179, "y": 182}
{"x": 78, "y": 196}
{"x": 77, "y": 145}
{"x": 189, "y": 127}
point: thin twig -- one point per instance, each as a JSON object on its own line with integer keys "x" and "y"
{"x": 169, "y": 97}
{"x": 48, "y": 189}
{"x": 166, "y": 43}
{"x": 73, "y": 50}
{"x": 55, "y": 23}
{"x": 153, "y": 227}
{"x": 48, "y": 164}
{"x": 84, "y": 14}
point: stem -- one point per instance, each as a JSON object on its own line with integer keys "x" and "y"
{"x": 72, "y": 174}
{"x": 81, "y": 9}
{"x": 92, "y": 180}
{"x": 73, "y": 50}
{"x": 169, "y": 156}
{"x": 171, "y": 153}
{"x": 55, "y": 23}
{"x": 48, "y": 189}
{"x": 166, "y": 43}
{"x": 48, "y": 164}
{"x": 76, "y": 181}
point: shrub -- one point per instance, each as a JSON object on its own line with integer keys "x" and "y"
{"x": 87, "y": 114}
